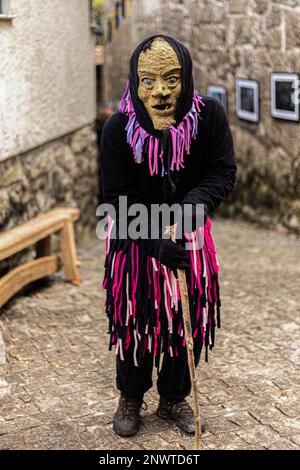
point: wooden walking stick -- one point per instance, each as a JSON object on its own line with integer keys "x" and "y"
{"x": 189, "y": 345}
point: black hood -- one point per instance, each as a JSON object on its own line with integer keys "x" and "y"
{"x": 185, "y": 100}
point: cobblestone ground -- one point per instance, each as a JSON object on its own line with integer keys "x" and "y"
{"x": 57, "y": 377}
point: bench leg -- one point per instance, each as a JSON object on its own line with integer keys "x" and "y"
{"x": 68, "y": 252}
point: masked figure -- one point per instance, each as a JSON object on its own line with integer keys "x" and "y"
{"x": 167, "y": 144}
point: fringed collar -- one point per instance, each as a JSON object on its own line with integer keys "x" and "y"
{"x": 181, "y": 136}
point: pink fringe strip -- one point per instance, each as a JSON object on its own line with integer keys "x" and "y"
{"x": 143, "y": 296}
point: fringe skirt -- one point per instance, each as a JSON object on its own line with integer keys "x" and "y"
{"x": 143, "y": 297}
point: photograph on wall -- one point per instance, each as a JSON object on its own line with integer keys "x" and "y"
{"x": 285, "y": 96}
{"x": 220, "y": 93}
{"x": 247, "y": 100}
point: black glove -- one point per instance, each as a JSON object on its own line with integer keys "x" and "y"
{"x": 173, "y": 256}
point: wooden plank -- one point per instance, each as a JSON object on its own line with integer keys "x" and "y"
{"x": 16, "y": 239}
{"x": 68, "y": 252}
{"x": 23, "y": 275}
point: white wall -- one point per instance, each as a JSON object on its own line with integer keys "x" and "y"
{"x": 47, "y": 79}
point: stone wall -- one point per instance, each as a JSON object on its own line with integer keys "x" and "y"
{"x": 231, "y": 39}
{"x": 61, "y": 173}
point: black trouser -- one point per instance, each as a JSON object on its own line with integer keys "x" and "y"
{"x": 173, "y": 381}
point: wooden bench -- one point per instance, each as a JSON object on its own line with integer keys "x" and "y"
{"x": 38, "y": 232}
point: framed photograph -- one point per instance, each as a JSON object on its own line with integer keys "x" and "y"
{"x": 285, "y": 96}
{"x": 247, "y": 100}
{"x": 220, "y": 93}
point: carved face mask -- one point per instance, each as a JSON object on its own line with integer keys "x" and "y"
{"x": 159, "y": 73}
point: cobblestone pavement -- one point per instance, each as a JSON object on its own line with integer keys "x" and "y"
{"x": 57, "y": 376}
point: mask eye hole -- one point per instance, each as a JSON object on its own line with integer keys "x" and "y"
{"x": 148, "y": 82}
{"x": 172, "y": 80}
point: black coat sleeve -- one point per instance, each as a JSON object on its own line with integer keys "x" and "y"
{"x": 116, "y": 165}
{"x": 219, "y": 170}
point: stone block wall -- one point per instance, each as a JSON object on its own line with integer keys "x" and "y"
{"x": 61, "y": 173}
{"x": 230, "y": 39}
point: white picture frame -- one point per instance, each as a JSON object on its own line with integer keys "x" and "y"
{"x": 283, "y": 87}
{"x": 220, "y": 94}
{"x": 247, "y": 100}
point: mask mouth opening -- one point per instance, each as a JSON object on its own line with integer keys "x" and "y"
{"x": 162, "y": 107}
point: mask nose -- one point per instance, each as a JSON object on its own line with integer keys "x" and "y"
{"x": 161, "y": 91}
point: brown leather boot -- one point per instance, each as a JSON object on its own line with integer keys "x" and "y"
{"x": 181, "y": 413}
{"x": 126, "y": 418}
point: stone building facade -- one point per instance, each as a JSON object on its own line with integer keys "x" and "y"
{"x": 48, "y": 151}
{"x": 230, "y": 39}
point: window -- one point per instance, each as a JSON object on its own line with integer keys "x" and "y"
{"x": 5, "y": 12}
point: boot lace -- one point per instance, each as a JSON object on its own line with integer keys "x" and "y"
{"x": 132, "y": 406}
